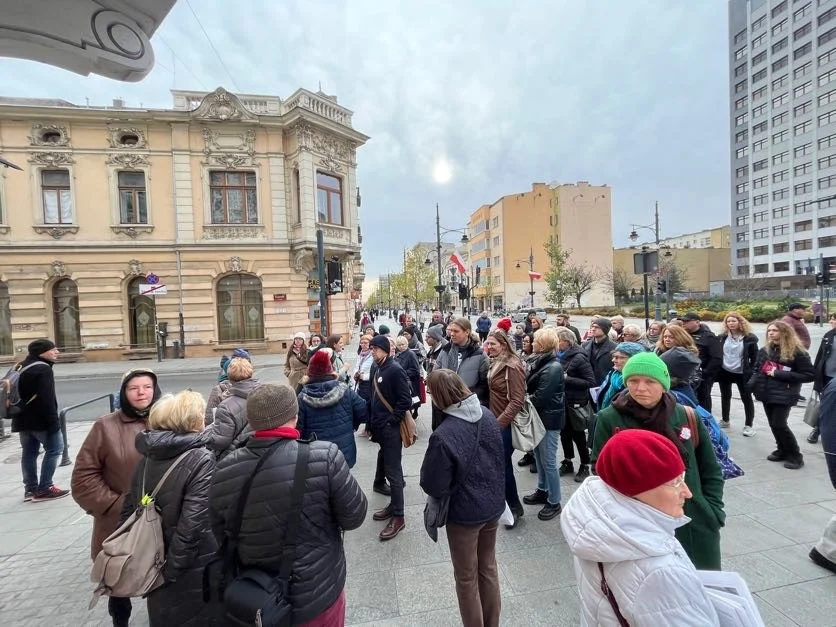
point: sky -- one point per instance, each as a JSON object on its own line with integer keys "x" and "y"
{"x": 489, "y": 94}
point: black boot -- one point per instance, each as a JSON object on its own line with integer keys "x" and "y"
{"x": 526, "y": 460}
{"x": 567, "y": 467}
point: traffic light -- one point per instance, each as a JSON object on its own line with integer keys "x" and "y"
{"x": 462, "y": 292}
{"x": 478, "y": 275}
{"x": 825, "y": 277}
{"x": 662, "y": 285}
{"x": 819, "y": 278}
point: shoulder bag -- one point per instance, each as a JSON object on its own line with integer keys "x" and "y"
{"x": 605, "y": 588}
{"x": 811, "y": 412}
{"x": 436, "y": 510}
{"x": 527, "y": 429}
{"x": 409, "y": 430}
{"x": 254, "y": 596}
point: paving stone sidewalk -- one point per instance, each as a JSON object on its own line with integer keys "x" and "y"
{"x": 774, "y": 517}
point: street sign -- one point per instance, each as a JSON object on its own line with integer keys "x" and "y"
{"x": 152, "y": 278}
{"x": 150, "y": 289}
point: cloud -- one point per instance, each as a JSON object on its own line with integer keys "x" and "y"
{"x": 631, "y": 94}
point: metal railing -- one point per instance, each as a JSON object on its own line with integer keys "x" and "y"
{"x": 62, "y": 420}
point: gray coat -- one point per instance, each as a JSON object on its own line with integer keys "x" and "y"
{"x": 230, "y": 429}
{"x": 473, "y": 368}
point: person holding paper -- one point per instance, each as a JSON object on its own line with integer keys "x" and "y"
{"x": 620, "y": 526}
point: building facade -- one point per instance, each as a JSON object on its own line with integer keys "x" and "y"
{"x": 719, "y": 237}
{"x": 782, "y": 109}
{"x": 698, "y": 266}
{"x": 508, "y": 238}
{"x": 219, "y": 198}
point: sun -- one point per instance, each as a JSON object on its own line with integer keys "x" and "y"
{"x": 442, "y": 171}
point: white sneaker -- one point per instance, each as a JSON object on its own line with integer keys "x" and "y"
{"x": 748, "y": 431}
{"x": 725, "y": 424}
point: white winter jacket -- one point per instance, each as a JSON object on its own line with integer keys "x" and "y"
{"x": 651, "y": 577}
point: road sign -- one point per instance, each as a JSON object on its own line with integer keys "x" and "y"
{"x": 149, "y": 289}
{"x": 152, "y": 278}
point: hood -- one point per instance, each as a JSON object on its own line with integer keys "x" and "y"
{"x": 127, "y": 409}
{"x": 570, "y": 352}
{"x": 167, "y": 444}
{"x": 602, "y": 525}
{"x": 323, "y": 393}
{"x": 469, "y": 410}
{"x": 245, "y": 386}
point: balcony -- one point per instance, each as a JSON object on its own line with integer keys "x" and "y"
{"x": 320, "y": 104}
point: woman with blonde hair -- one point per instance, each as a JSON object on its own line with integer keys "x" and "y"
{"x": 740, "y": 352}
{"x": 653, "y": 334}
{"x": 781, "y": 367}
{"x": 230, "y": 430}
{"x": 175, "y": 435}
{"x": 675, "y": 335}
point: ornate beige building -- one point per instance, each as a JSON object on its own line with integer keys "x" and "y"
{"x": 220, "y": 197}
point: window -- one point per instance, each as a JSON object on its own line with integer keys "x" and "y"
{"x": 780, "y": 27}
{"x": 781, "y": 266}
{"x": 329, "y": 199}
{"x": 760, "y": 216}
{"x": 742, "y": 188}
{"x": 759, "y": 58}
{"x": 741, "y": 171}
{"x": 495, "y": 223}
{"x": 760, "y": 165}
{"x": 497, "y": 280}
{"x": 780, "y": 212}
{"x": 233, "y": 197}
{"x": 802, "y": 207}
{"x": 780, "y": 82}
{"x": 759, "y": 111}
{"x": 496, "y": 241}
{"x": 741, "y": 119}
{"x": 740, "y": 70}
{"x": 827, "y": 242}
{"x": 780, "y": 194}
{"x": 780, "y": 136}
{"x": 760, "y": 268}
{"x": 496, "y": 261}
{"x": 240, "y": 309}
{"x": 142, "y": 314}
{"x": 761, "y": 127}
{"x": 827, "y": 142}
{"x": 758, "y": 23}
{"x": 825, "y": 78}
{"x": 740, "y": 53}
{"x": 802, "y": 12}
{"x": 781, "y": 229}
{"x": 827, "y": 118}
{"x": 804, "y": 127}
{"x": 829, "y": 35}
{"x": 65, "y": 315}
{"x": 757, "y": 77}
{"x": 804, "y": 244}
{"x": 802, "y": 89}
{"x": 780, "y": 8}
{"x": 740, "y": 37}
{"x": 740, "y": 87}
{"x": 826, "y": 182}
{"x": 133, "y": 208}
{"x": 761, "y": 199}
{"x": 759, "y": 93}
{"x": 741, "y": 136}
{"x": 805, "y": 30}
{"x": 742, "y": 253}
{"x": 760, "y": 233}
{"x": 804, "y": 225}
{"x": 779, "y": 45}
{"x": 827, "y": 162}
{"x": 827, "y": 57}
{"x": 742, "y": 204}
{"x": 804, "y": 168}
{"x": 57, "y": 196}
{"x": 802, "y": 70}
{"x": 825, "y": 17}
{"x": 783, "y": 247}
{"x": 804, "y": 149}
{"x": 761, "y": 144}
{"x": 6, "y": 345}
{"x": 758, "y": 41}
{"x": 781, "y": 157}
{"x": 297, "y": 200}
{"x": 783, "y": 175}
{"x": 802, "y": 51}
{"x": 778, "y": 120}
{"x": 780, "y": 101}
{"x": 741, "y": 152}
{"x": 741, "y": 237}
{"x": 742, "y": 220}
{"x": 827, "y": 97}
{"x": 803, "y": 188}
{"x": 827, "y": 222}
{"x": 761, "y": 250}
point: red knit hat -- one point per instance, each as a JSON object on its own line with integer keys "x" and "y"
{"x": 636, "y": 460}
{"x": 504, "y": 324}
{"x": 320, "y": 363}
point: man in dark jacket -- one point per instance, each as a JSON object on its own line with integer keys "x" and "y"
{"x": 563, "y": 321}
{"x": 391, "y": 399}
{"x": 795, "y": 318}
{"x": 599, "y": 349}
{"x": 578, "y": 379}
{"x": 438, "y": 319}
{"x": 483, "y": 326}
{"x": 333, "y": 502}
{"x": 824, "y": 553}
{"x": 465, "y": 357}
{"x": 711, "y": 355}
{"x": 38, "y": 422}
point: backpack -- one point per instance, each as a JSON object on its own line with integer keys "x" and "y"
{"x": 133, "y": 556}
{"x": 719, "y": 440}
{"x": 10, "y": 401}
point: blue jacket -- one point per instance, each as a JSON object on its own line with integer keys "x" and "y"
{"x": 480, "y": 497}
{"x": 394, "y": 386}
{"x": 483, "y": 324}
{"x": 331, "y": 411}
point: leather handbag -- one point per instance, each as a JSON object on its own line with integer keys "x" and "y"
{"x": 811, "y": 413}
{"x": 409, "y": 430}
{"x": 579, "y": 416}
{"x": 527, "y": 430}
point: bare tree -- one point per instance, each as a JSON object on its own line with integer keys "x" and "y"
{"x": 580, "y": 279}
{"x": 621, "y": 282}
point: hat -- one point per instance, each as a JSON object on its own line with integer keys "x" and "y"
{"x": 241, "y": 354}
{"x": 299, "y": 336}
{"x": 381, "y": 342}
{"x": 691, "y": 315}
{"x": 504, "y": 324}
{"x": 637, "y": 460}
{"x": 629, "y": 348}
{"x": 39, "y": 347}
{"x": 320, "y": 364}
{"x": 383, "y": 329}
{"x": 271, "y": 405}
{"x": 603, "y": 323}
{"x": 647, "y": 365}
{"x": 796, "y": 306}
{"x": 681, "y": 362}
{"x": 436, "y": 332}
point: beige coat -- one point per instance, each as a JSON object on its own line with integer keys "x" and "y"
{"x": 294, "y": 369}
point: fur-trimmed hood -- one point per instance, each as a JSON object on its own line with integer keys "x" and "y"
{"x": 323, "y": 393}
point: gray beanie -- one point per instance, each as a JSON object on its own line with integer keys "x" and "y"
{"x": 681, "y": 362}
{"x": 604, "y": 324}
{"x": 436, "y": 332}
{"x": 271, "y": 405}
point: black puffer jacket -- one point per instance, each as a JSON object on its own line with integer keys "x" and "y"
{"x": 333, "y": 503}
{"x": 230, "y": 430}
{"x": 579, "y": 376}
{"x": 785, "y": 387}
{"x": 545, "y": 388}
{"x": 36, "y": 387}
{"x": 189, "y": 543}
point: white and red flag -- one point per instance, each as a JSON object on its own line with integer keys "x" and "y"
{"x": 458, "y": 262}
{"x": 535, "y": 275}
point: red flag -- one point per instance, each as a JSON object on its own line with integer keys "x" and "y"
{"x": 458, "y": 262}
{"x": 534, "y": 275}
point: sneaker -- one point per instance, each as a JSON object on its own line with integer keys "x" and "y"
{"x": 725, "y": 424}
{"x": 583, "y": 473}
{"x": 567, "y": 467}
{"x": 814, "y": 436}
{"x": 538, "y": 497}
{"x": 821, "y": 560}
{"x": 776, "y": 456}
{"x": 549, "y": 511}
{"x": 748, "y": 431}
{"x": 28, "y": 495}
{"x": 50, "y": 494}
{"x": 526, "y": 460}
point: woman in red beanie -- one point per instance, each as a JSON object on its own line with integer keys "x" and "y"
{"x": 620, "y": 527}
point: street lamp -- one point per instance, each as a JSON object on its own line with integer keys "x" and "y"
{"x": 530, "y": 262}
{"x": 654, "y": 228}
{"x": 438, "y": 233}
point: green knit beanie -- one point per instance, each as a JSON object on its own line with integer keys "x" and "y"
{"x": 647, "y": 365}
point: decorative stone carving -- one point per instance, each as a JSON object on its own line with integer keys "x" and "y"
{"x": 304, "y": 261}
{"x": 330, "y": 145}
{"x": 39, "y": 131}
{"x": 134, "y": 267}
{"x": 234, "y": 264}
{"x": 304, "y": 135}
{"x": 231, "y": 161}
{"x": 222, "y": 106}
{"x": 330, "y": 164}
{"x": 131, "y": 231}
{"x": 56, "y": 231}
{"x": 233, "y": 231}
{"x": 334, "y": 232}
{"x": 58, "y": 269}
{"x": 114, "y": 137}
{"x": 130, "y": 160}
{"x": 216, "y": 141}
{"x": 52, "y": 159}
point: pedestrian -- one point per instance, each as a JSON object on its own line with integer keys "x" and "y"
{"x": 817, "y": 310}
{"x": 621, "y": 525}
{"x": 563, "y": 321}
{"x": 545, "y": 388}
{"x": 795, "y": 318}
{"x": 316, "y": 341}
{"x": 740, "y": 352}
{"x": 337, "y": 344}
{"x": 825, "y": 367}
{"x": 362, "y": 373}
{"x": 526, "y": 345}
{"x": 464, "y": 355}
{"x": 517, "y": 337}
{"x": 617, "y": 329}
{"x": 824, "y": 553}
{"x": 37, "y": 422}
{"x": 506, "y": 385}
{"x": 599, "y": 348}
{"x": 578, "y": 379}
{"x": 436, "y": 341}
{"x": 782, "y": 366}
{"x": 229, "y": 430}
{"x": 505, "y": 324}
{"x": 175, "y": 428}
{"x": 613, "y": 383}
{"x": 483, "y": 326}
{"x": 217, "y": 391}
{"x": 632, "y": 333}
{"x": 653, "y": 335}
{"x": 329, "y": 410}
{"x": 463, "y": 463}
{"x": 409, "y": 362}
{"x": 105, "y": 464}
{"x": 332, "y": 504}
{"x": 648, "y": 404}
{"x": 529, "y": 321}
{"x": 711, "y": 355}
{"x": 296, "y": 361}
{"x": 391, "y": 399}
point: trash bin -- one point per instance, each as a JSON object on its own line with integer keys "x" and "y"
{"x": 174, "y": 350}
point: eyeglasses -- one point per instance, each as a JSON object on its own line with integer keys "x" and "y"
{"x": 676, "y": 484}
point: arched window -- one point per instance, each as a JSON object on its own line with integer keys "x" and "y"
{"x": 65, "y": 315}
{"x": 141, "y": 314}
{"x": 240, "y": 309}
{"x": 6, "y": 347}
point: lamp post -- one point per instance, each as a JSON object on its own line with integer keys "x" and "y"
{"x": 438, "y": 233}
{"x": 654, "y": 228}
{"x": 530, "y": 262}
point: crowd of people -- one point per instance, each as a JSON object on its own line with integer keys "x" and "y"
{"x": 619, "y": 399}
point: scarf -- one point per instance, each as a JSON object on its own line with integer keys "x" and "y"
{"x": 287, "y": 433}
{"x": 538, "y": 360}
{"x": 657, "y": 419}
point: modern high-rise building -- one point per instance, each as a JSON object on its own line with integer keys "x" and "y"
{"x": 782, "y": 75}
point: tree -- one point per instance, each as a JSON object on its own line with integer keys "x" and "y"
{"x": 416, "y": 281}
{"x": 557, "y": 277}
{"x": 673, "y": 273}
{"x": 622, "y": 284}
{"x": 580, "y": 279}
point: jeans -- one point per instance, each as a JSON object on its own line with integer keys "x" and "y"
{"x": 548, "y": 479}
{"x": 391, "y": 450}
{"x": 784, "y": 438}
{"x": 473, "y": 552}
{"x": 511, "y": 495}
{"x": 570, "y": 436}
{"x": 31, "y": 442}
{"x": 725, "y": 380}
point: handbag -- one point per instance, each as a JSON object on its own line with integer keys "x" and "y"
{"x": 435, "y": 511}
{"x": 580, "y": 416}
{"x": 527, "y": 429}
{"x": 811, "y": 413}
{"x": 409, "y": 430}
{"x": 254, "y": 596}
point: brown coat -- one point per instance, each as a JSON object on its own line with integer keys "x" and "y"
{"x": 506, "y": 384}
{"x": 103, "y": 471}
{"x": 295, "y": 368}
